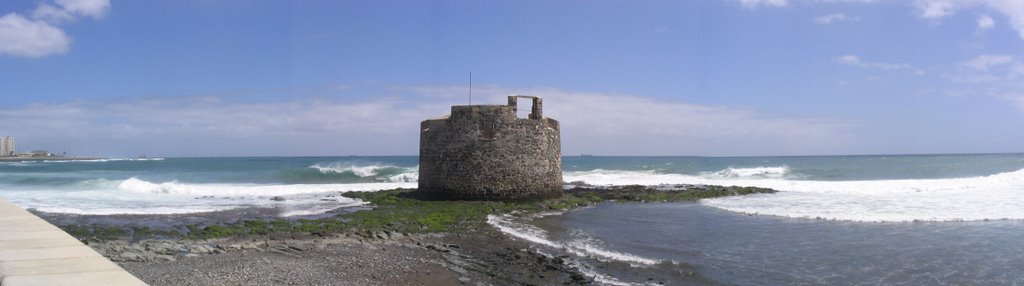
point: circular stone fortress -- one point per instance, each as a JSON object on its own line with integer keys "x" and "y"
{"x": 484, "y": 152}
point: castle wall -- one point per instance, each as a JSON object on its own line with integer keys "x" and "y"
{"x": 485, "y": 152}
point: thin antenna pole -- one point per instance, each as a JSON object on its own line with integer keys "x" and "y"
{"x": 470, "y": 88}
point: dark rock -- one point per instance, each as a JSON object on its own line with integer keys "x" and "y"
{"x": 300, "y": 245}
{"x": 163, "y": 247}
{"x": 559, "y": 259}
{"x": 580, "y": 278}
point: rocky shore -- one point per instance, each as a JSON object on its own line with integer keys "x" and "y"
{"x": 383, "y": 258}
{"x": 403, "y": 240}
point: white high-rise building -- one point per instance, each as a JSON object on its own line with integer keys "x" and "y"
{"x": 7, "y": 147}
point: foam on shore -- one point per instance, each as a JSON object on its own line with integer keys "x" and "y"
{"x": 583, "y": 246}
{"x": 580, "y": 245}
{"x": 998, "y": 196}
{"x": 137, "y": 196}
{"x": 236, "y": 190}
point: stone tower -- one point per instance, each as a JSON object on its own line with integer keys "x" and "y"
{"x": 485, "y": 152}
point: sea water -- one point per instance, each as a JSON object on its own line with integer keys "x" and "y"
{"x": 897, "y": 219}
{"x": 293, "y": 186}
{"x": 836, "y": 220}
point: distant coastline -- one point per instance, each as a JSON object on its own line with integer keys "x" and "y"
{"x": 48, "y": 158}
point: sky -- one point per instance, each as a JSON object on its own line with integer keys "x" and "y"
{"x": 688, "y": 78}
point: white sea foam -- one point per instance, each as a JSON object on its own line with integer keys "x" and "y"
{"x": 77, "y": 161}
{"x": 311, "y": 205}
{"x": 520, "y": 230}
{"x": 408, "y": 177}
{"x": 98, "y": 183}
{"x": 102, "y": 160}
{"x": 756, "y": 172}
{"x": 655, "y": 177}
{"x": 103, "y": 203}
{"x": 138, "y": 159}
{"x": 137, "y": 196}
{"x": 367, "y": 171}
{"x": 337, "y": 167}
{"x": 998, "y": 196}
{"x": 130, "y": 211}
{"x": 580, "y": 246}
{"x": 590, "y": 248}
{"x": 229, "y": 190}
{"x": 617, "y": 177}
{"x": 306, "y": 210}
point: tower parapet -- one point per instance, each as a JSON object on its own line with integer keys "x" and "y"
{"x": 486, "y": 152}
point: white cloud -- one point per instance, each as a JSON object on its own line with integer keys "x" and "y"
{"x": 994, "y": 76}
{"x": 599, "y": 122}
{"x": 1016, "y": 71}
{"x": 835, "y": 17}
{"x": 991, "y": 69}
{"x": 1013, "y": 9}
{"x": 92, "y": 8}
{"x": 856, "y": 61}
{"x": 51, "y": 14}
{"x": 781, "y": 3}
{"x": 591, "y": 122}
{"x": 27, "y": 38}
{"x": 213, "y": 125}
{"x": 936, "y": 8}
{"x": 985, "y": 22}
{"x": 39, "y": 36}
{"x": 984, "y": 62}
{"x": 67, "y": 10}
{"x": 755, "y": 3}
{"x": 1015, "y": 98}
{"x": 848, "y": 59}
{"x": 975, "y": 78}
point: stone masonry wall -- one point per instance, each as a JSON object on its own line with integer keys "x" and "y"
{"x": 485, "y": 152}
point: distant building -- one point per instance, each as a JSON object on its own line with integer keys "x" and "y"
{"x": 7, "y": 147}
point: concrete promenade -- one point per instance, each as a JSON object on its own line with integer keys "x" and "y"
{"x": 34, "y": 252}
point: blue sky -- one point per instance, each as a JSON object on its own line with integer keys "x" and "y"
{"x": 704, "y": 77}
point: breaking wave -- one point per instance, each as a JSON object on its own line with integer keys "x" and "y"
{"x": 100, "y": 160}
{"x": 580, "y": 246}
{"x": 138, "y": 196}
{"x": 656, "y": 177}
{"x": 361, "y": 171}
{"x": 229, "y": 190}
{"x": 348, "y": 172}
{"x": 756, "y": 172}
{"x": 997, "y": 196}
{"x": 619, "y": 177}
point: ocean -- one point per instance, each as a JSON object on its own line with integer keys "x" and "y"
{"x": 837, "y": 220}
{"x": 893, "y": 219}
{"x": 293, "y": 186}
